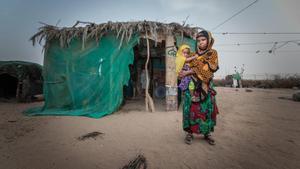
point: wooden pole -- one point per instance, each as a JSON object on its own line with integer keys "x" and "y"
{"x": 171, "y": 78}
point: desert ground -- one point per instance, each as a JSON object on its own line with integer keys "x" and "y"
{"x": 255, "y": 130}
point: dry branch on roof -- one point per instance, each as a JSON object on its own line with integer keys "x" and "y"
{"x": 123, "y": 30}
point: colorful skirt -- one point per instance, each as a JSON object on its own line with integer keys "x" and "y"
{"x": 200, "y": 117}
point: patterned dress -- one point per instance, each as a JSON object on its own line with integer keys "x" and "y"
{"x": 184, "y": 83}
{"x": 200, "y": 117}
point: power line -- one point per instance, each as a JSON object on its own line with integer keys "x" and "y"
{"x": 275, "y": 47}
{"x": 257, "y": 33}
{"x": 234, "y": 15}
{"x": 260, "y": 43}
{"x": 259, "y": 51}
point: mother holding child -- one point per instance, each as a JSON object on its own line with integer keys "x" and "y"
{"x": 195, "y": 72}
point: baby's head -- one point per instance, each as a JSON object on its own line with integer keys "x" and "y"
{"x": 186, "y": 52}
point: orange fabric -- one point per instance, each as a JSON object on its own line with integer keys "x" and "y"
{"x": 206, "y": 64}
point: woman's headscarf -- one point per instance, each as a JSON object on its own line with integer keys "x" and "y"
{"x": 210, "y": 39}
{"x": 180, "y": 59}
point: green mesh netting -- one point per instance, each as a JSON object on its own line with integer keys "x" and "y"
{"x": 85, "y": 82}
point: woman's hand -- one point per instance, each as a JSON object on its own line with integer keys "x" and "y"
{"x": 180, "y": 75}
{"x": 183, "y": 74}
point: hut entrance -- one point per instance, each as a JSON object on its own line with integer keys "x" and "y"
{"x": 8, "y": 86}
{"x": 134, "y": 93}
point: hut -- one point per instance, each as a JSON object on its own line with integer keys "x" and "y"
{"x": 20, "y": 80}
{"x": 87, "y": 65}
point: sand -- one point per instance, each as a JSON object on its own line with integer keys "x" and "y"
{"x": 254, "y": 130}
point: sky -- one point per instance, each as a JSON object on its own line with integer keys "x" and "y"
{"x": 20, "y": 20}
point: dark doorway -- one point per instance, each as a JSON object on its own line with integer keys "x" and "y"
{"x": 134, "y": 93}
{"x": 8, "y": 86}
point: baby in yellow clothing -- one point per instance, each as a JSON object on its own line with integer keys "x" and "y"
{"x": 183, "y": 57}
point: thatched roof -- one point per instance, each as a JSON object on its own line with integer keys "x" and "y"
{"x": 123, "y": 30}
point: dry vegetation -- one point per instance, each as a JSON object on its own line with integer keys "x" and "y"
{"x": 278, "y": 82}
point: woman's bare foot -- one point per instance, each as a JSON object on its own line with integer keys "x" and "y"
{"x": 189, "y": 138}
{"x": 210, "y": 140}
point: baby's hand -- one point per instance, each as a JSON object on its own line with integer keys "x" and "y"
{"x": 201, "y": 58}
{"x": 194, "y": 57}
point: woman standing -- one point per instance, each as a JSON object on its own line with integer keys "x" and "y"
{"x": 199, "y": 113}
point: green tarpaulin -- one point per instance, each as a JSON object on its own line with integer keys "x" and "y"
{"x": 85, "y": 82}
{"x": 88, "y": 82}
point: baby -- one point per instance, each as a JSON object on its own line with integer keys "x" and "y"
{"x": 183, "y": 57}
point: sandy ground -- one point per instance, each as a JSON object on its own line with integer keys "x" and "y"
{"x": 255, "y": 130}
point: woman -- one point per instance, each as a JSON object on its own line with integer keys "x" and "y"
{"x": 199, "y": 115}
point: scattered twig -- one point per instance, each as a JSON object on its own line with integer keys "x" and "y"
{"x": 90, "y": 135}
{"x": 187, "y": 165}
{"x": 285, "y": 98}
{"x": 249, "y": 90}
{"x": 12, "y": 121}
{"x": 139, "y": 162}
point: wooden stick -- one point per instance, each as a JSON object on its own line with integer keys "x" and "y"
{"x": 148, "y": 99}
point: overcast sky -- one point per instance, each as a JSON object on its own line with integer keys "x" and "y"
{"x": 19, "y": 21}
